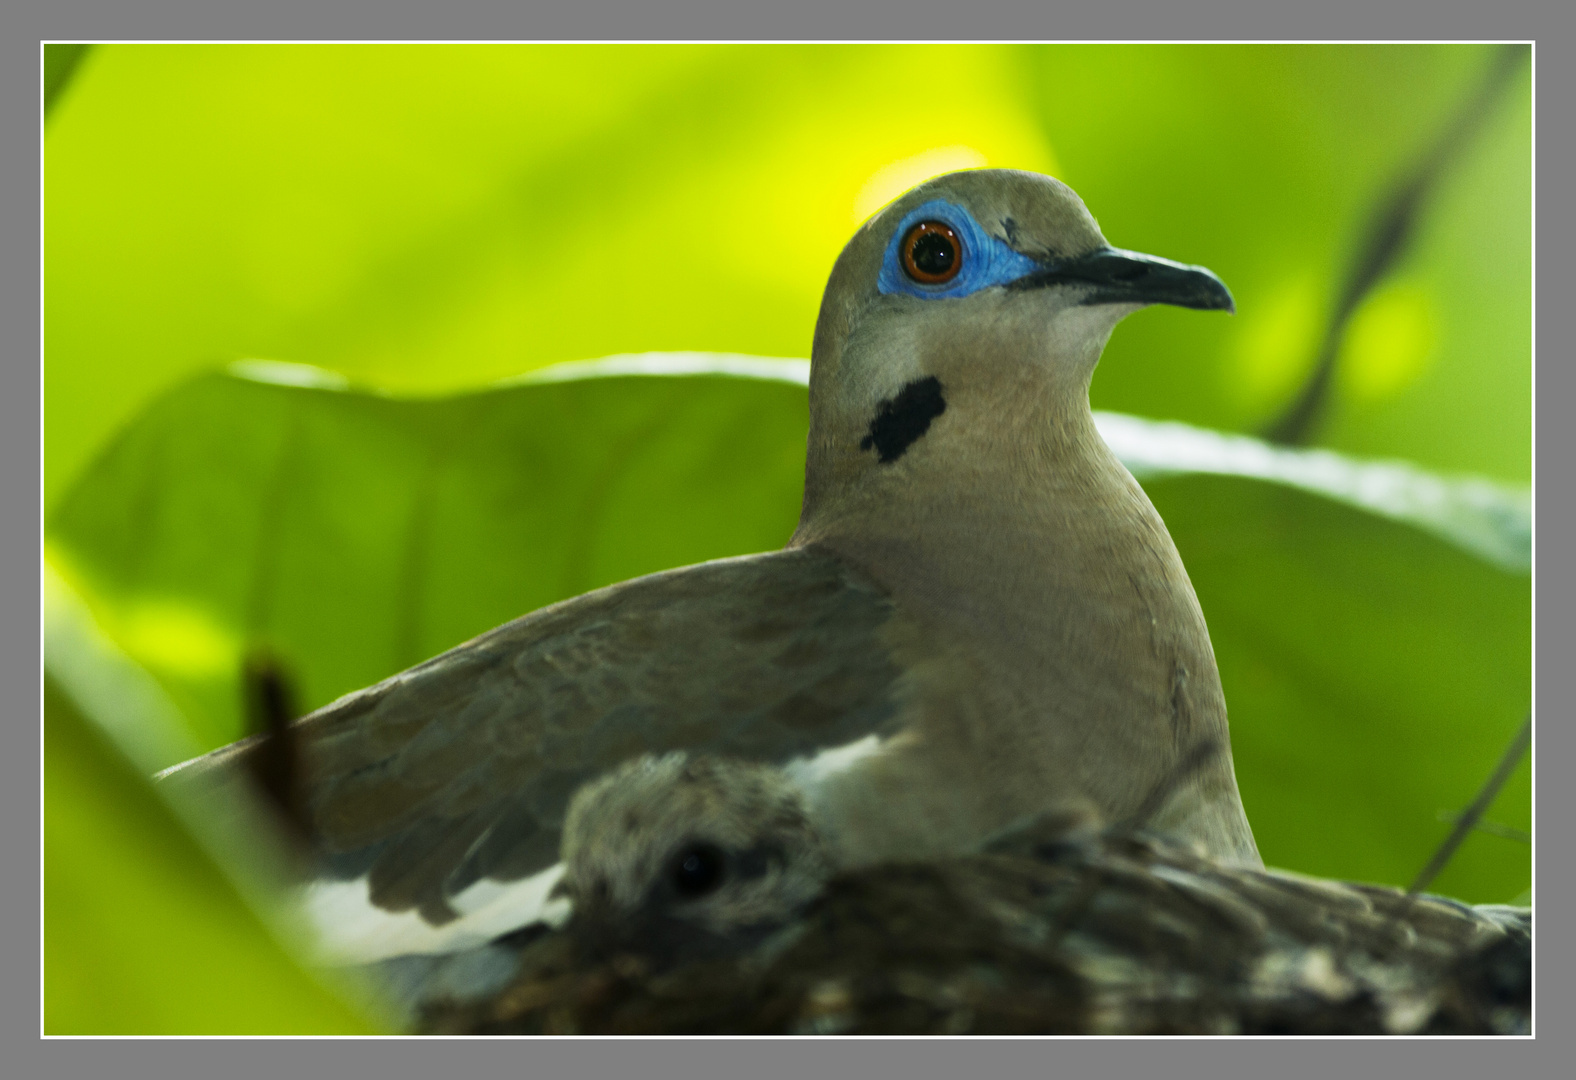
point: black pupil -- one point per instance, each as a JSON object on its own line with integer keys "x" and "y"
{"x": 933, "y": 253}
{"x": 698, "y": 871}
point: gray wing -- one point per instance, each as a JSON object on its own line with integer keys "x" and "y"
{"x": 461, "y": 767}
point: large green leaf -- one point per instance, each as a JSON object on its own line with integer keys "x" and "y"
{"x": 1373, "y": 674}
{"x": 1373, "y": 667}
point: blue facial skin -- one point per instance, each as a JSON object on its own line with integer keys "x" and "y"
{"x": 987, "y": 261}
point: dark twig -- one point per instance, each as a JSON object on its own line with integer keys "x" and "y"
{"x": 275, "y": 763}
{"x": 1469, "y": 818}
{"x": 1389, "y": 234}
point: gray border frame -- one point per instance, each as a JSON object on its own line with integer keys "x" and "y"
{"x": 683, "y": 19}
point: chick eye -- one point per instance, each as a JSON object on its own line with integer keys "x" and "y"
{"x": 698, "y": 870}
{"x": 932, "y": 253}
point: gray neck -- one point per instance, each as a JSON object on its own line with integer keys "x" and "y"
{"x": 1011, "y": 495}
{"x": 1024, "y": 544}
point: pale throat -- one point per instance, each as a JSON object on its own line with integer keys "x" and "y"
{"x": 1008, "y": 488}
{"x": 1010, "y": 492}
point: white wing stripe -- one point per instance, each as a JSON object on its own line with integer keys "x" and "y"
{"x": 353, "y": 930}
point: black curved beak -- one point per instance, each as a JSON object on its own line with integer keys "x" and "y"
{"x": 1114, "y": 276}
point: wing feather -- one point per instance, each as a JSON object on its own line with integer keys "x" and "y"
{"x": 461, "y": 768}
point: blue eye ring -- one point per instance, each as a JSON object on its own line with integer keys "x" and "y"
{"x": 983, "y": 260}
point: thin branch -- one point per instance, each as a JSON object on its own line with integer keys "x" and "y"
{"x": 1389, "y": 235}
{"x": 1464, "y": 824}
{"x": 1493, "y": 828}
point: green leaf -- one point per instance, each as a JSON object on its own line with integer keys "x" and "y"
{"x": 1490, "y": 520}
{"x": 1374, "y": 647}
{"x": 1373, "y": 675}
{"x": 143, "y": 933}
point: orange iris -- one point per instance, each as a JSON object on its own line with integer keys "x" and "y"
{"x": 932, "y": 253}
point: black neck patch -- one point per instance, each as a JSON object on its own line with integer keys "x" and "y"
{"x": 901, "y": 420}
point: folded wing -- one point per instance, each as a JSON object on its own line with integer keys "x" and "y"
{"x": 458, "y": 771}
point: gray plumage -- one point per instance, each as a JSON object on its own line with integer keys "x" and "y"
{"x": 980, "y": 614}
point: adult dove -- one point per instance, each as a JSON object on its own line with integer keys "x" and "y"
{"x": 980, "y": 616}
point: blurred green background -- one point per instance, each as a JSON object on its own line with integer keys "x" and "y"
{"x": 422, "y": 221}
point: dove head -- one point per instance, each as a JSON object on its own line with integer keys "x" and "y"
{"x": 683, "y": 848}
{"x": 987, "y": 291}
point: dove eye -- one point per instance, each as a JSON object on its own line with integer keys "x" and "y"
{"x": 698, "y": 870}
{"x": 932, "y": 253}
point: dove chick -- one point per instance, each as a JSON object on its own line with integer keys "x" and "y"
{"x": 679, "y": 841}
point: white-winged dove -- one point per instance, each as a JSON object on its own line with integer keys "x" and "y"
{"x": 980, "y": 617}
